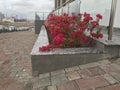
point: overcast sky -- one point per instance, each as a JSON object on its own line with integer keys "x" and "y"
{"x": 25, "y": 8}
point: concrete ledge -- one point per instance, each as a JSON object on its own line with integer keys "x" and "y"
{"x": 43, "y": 62}
{"x": 48, "y": 63}
{"x": 108, "y": 47}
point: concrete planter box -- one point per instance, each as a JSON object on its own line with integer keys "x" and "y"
{"x": 43, "y": 62}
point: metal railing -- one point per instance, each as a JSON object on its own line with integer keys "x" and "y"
{"x": 66, "y": 7}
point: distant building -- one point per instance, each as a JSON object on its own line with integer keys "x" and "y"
{"x": 1, "y": 16}
{"x": 20, "y": 20}
{"x": 13, "y": 20}
{"x": 10, "y": 20}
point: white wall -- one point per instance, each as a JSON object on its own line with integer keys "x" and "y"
{"x": 97, "y": 6}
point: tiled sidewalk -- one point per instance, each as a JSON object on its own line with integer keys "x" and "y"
{"x": 102, "y": 75}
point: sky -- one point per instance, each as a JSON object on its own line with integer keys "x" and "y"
{"x": 25, "y": 8}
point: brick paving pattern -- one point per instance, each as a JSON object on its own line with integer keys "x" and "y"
{"x": 15, "y": 62}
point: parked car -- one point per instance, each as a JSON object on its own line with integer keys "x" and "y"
{"x": 11, "y": 28}
{"x": 1, "y": 28}
{"x": 5, "y": 28}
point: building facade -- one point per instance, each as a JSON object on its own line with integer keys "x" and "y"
{"x": 9, "y": 20}
{"x": 59, "y": 3}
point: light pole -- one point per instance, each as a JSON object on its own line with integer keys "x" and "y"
{"x": 112, "y": 17}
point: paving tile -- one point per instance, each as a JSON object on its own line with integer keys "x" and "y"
{"x": 116, "y": 75}
{"x": 96, "y": 71}
{"x": 13, "y": 65}
{"x": 109, "y": 68}
{"x": 41, "y": 83}
{"x": 4, "y": 57}
{"x": 72, "y": 69}
{"x": 73, "y": 75}
{"x": 68, "y": 86}
{"x": 59, "y": 78}
{"x": 52, "y": 87}
{"x": 91, "y": 83}
{"x": 84, "y": 73}
{"x": 89, "y": 65}
{"x": 111, "y": 87}
{"x": 1, "y": 62}
{"x": 13, "y": 73}
{"x": 28, "y": 86}
{"x": 110, "y": 79}
{"x": 15, "y": 86}
{"x": 116, "y": 66}
{"x": 5, "y": 82}
{"x": 20, "y": 72}
{"x": 90, "y": 72}
{"x": 104, "y": 62}
{"x": 117, "y": 61}
{"x": 41, "y": 88}
{"x": 35, "y": 73}
{"x": 58, "y": 72}
{"x": 35, "y": 79}
{"x": 44, "y": 75}
{"x": 6, "y": 67}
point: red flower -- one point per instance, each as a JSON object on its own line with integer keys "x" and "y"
{"x": 59, "y": 40}
{"x": 99, "y": 16}
{"x": 72, "y": 36}
{"x": 97, "y": 35}
{"x": 86, "y": 39}
{"x": 100, "y": 35}
{"x": 81, "y": 41}
{"x": 54, "y": 33}
{"x": 65, "y": 14}
{"x": 83, "y": 28}
{"x": 93, "y": 43}
{"x": 71, "y": 44}
{"x": 86, "y": 14}
{"x": 81, "y": 23}
{"x": 45, "y": 48}
{"x": 94, "y": 35}
{"x": 80, "y": 14}
{"x": 86, "y": 19}
{"x": 94, "y": 23}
